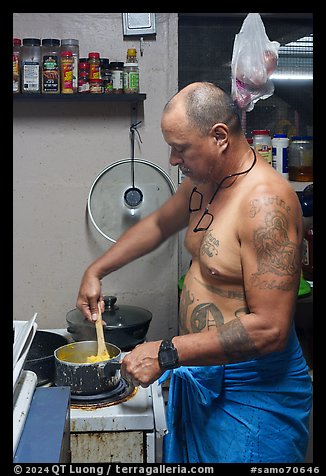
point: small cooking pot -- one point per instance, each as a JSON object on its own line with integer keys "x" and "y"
{"x": 83, "y": 378}
{"x": 40, "y": 357}
{"x": 125, "y": 326}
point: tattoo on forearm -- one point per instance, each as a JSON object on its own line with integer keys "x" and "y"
{"x": 205, "y": 315}
{"x": 236, "y": 342}
{"x": 275, "y": 253}
{"x": 209, "y": 245}
{"x": 226, "y": 293}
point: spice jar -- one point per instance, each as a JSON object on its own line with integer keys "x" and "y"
{"x": 116, "y": 68}
{"x": 83, "y": 75}
{"x": 67, "y": 64}
{"x": 50, "y": 66}
{"x": 94, "y": 65}
{"x": 263, "y": 144}
{"x": 16, "y": 65}
{"x": 72, "y": 45}
{"x": 106, "y": 76}
{"x": 31, "y": 66}
{"x": 301, "y": 159}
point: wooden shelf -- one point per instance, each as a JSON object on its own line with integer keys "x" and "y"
{"x": 79, "y": 97}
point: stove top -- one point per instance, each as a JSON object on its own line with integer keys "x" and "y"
{"x": 120, "y": 393}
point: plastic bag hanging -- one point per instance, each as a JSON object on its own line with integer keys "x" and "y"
{"x": 254, "y": 59}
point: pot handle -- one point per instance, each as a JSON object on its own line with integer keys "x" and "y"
{"x": 110, "y": 368}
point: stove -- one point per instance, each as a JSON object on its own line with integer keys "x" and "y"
{"x": 128, "y": 430}
{"x": 126, "y": 425}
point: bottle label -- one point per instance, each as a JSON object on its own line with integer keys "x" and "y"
{"x": 94, "y": 71}
{"x": 280, "y": 160}
{"x": 15, "y": 73}
{"x": 117, "y": 80}
{"x": 131, "y": 81}
{"x": 50, "y": 73}
{"x": 67, "y": 76}
{"x": 265, "y": 151}
{"x": 75, "y": 73}
{"x": 31, "y": 77}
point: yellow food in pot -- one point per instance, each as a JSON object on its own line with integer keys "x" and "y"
{"x": 97, "y": 358}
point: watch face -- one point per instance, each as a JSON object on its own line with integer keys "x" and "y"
{"x": 167, "y": 358}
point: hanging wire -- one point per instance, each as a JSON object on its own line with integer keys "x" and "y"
{"x": 133, "y": 128}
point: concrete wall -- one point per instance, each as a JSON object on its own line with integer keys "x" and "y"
{"x": 59, "y": 149}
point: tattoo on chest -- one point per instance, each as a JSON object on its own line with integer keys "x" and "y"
{"x": 205, "y": 315}
{"x": 226, "y": 293}
{"x": 209, "y": 245}
{"x": 236, "y": 342}
{"x": 275, "y": 252}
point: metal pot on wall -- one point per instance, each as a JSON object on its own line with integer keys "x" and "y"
{"x": 125, "y": 326}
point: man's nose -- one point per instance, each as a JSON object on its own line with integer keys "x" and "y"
{"x": 175, "y": 159}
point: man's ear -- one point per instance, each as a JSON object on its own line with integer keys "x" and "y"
{"x": 221, "y": 133}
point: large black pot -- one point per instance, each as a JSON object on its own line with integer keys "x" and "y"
{"x": 83, "y": 378}
{"x": 125, "y": 326}
{"x": 40, "y": 357}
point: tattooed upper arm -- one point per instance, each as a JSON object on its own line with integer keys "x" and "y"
{"x": 276, "y": 245}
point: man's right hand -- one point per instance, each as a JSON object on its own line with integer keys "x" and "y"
{"x": 89, "y": 295}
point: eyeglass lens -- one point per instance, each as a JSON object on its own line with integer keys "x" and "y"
{"x": 196, "y": 200}
{"x": 204, "y": 222}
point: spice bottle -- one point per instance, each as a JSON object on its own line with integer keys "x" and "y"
{"x": 73, "y": 46}
{"x": 131, "y": 72}
{"x": 106, "y": 76}
{"x": 83, "y": 75}
{"x": 94, "y": 65}
{"x": 16, "y": 65}
{"x": 31, "y": 66}
{"x": 67, "y": 65}
{"x": 301, "y": 159}
{"x": 50, "y": 66}
{"x": 116, "y": 68}
{"x": 263, "y": 144}
{"x": 280, "y": 145}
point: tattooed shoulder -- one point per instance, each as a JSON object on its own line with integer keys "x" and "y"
{"x": 275, "y": 252}
{"x": 257, "y": 205}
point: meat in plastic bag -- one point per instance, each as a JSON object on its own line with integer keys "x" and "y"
{"x": 254, "y": 59}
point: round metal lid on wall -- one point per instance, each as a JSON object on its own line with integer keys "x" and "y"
{"x": 111, "y": 205}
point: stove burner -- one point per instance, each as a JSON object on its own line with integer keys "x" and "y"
{"x": 122, "y": 390}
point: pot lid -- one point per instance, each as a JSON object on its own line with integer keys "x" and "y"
{"x": 124, "y": 193}
{"x": 114, "y": 315}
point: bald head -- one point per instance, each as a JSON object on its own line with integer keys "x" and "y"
{"x": 205, "y": 105}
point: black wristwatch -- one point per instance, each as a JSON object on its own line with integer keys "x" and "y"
{"x": 168, "y": 355}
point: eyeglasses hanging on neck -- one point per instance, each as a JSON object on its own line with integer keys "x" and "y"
{"x": 196, "y": 201}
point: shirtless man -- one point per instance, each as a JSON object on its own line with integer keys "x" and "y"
{"x": 244, "y": 233}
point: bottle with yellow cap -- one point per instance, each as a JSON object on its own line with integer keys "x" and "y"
{"x": 131, "y": 72}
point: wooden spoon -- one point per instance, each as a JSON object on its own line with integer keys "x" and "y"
{"x": 102, "y": 352}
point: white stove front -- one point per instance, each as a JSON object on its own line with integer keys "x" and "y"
{"x": 128, "y": 432}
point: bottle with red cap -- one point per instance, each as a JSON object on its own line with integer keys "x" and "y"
{"x": 67, "y": 65}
